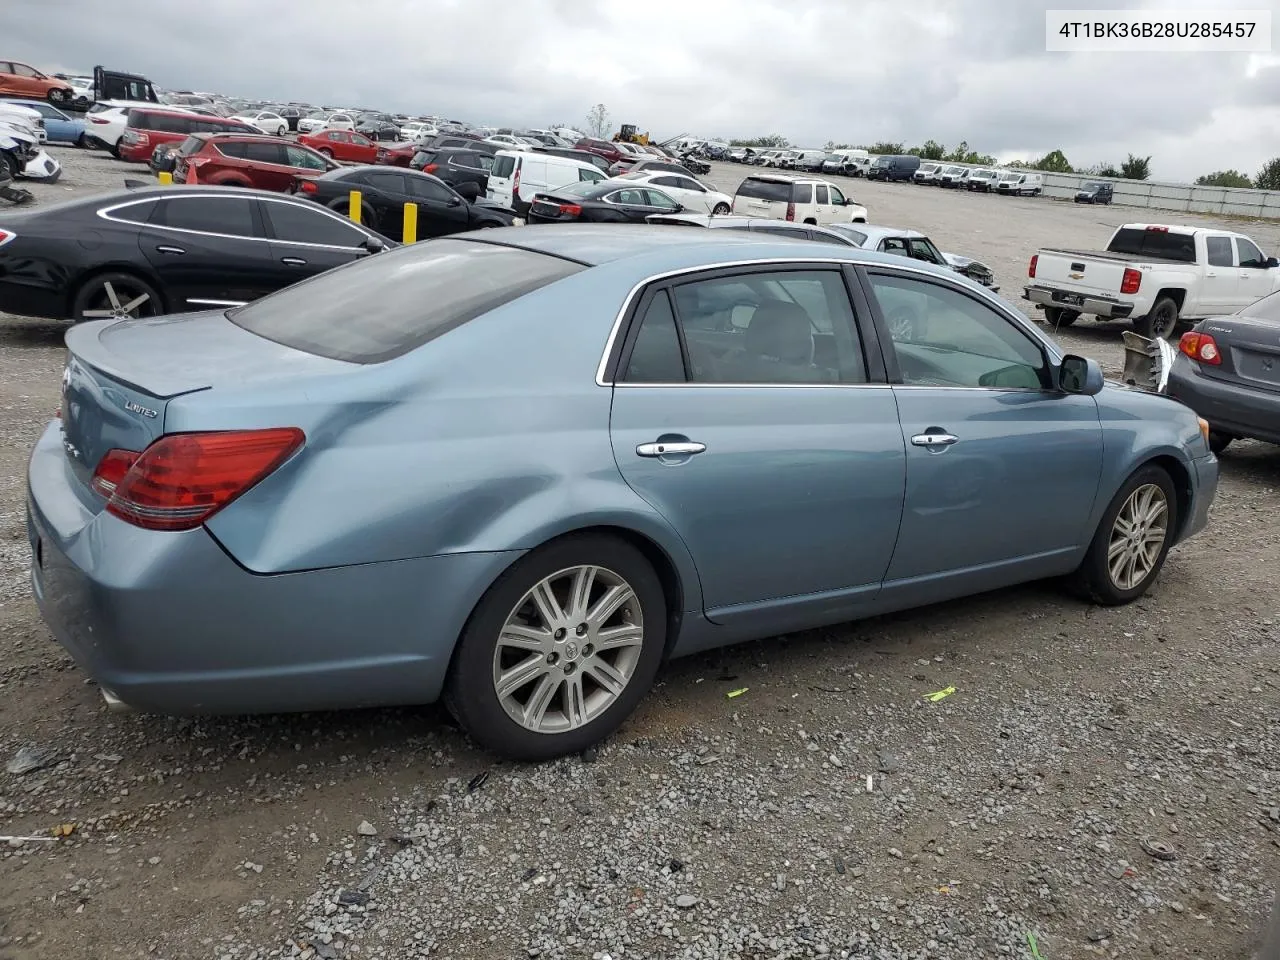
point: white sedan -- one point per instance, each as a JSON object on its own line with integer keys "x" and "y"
{"x": 686, "y": 191}
{"x": 266, "y": 121}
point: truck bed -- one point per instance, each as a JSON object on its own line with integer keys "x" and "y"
{"x": 1114, "y": 257}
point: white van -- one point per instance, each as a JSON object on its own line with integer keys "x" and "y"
{"x": 519, "y": 174}
{"x": 1020, "y": 184}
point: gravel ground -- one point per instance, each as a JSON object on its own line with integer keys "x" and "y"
{"x": 1101, "y": 782}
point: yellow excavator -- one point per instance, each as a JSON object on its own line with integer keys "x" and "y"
{"x": 628, "y": 134}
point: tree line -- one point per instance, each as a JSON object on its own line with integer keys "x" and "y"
{"x": 1133, "y": 167}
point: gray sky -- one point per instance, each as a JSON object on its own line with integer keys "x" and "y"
{"x": 853, "y": 71}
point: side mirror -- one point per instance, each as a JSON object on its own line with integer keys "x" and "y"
{"x": 374, "y": 245}
{"x": 1080, "y": 375}
{"x": 1272, "y": 263}
{"x": 469, "y": 190}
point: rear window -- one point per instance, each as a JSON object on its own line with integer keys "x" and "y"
{"x": 765, "y": 190}
{"x": 1164, "y": 244}
{"x": 503, "y": 167}
{"x": 190, "y": 146}
{"x": 1268, "y": 308}
{"x": 380, "y": 308}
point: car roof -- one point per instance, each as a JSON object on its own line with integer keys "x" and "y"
{"x": 877, "y": 232}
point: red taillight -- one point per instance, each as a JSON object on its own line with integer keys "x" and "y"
{"x": 431, "y": 168}
{"x": 791, "y": 211}
{"x": 1200, "y": 347}
{"x": 570, "y": 210}
{"x": 1031, "y": 267}
{"x": 98, "y": 120}
{"x": 1157, "y": 229}
{"x": 182, "y": 479}
{"x": 6, "y": 236}
{"x": 515, "y": 184}
{"x": 1131, "y": 281}
{"x": 307, "y": 186}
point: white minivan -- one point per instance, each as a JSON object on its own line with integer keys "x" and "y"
{"x": 519, "y": 174}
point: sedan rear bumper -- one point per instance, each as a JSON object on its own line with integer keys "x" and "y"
{"x": 1091, "y": 305}
{"x": 1229, "y": 407}
{"x": 169, "y": 623}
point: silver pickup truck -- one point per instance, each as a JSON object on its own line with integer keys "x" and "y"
{"x": 1154, "y": 275}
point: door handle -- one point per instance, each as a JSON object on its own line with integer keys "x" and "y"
{"x": 167, "y": 249}
{"x": 934, "y": 438}
{"x": 1211, "y": 273}
{"x": 294, "y": 261}
{"x": 678, "y": 448}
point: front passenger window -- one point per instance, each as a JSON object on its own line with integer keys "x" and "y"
{"x": 945, "y": 338}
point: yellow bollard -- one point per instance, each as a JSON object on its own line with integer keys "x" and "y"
{"x": 410, "y": 223}
{"x": 354, "y": 210}
{"x": 165, "y": 178}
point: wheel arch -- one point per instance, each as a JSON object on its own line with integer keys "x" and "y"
{"x": 132, "y": 269}
{"x": 677, "y": 591}
{"x": 1181, "y": 477}
{"x": 1177, "y": 294}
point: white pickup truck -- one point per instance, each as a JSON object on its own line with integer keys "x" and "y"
{"x": 1154, "y": 275}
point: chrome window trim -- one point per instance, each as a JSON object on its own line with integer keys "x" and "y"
{"x": 105, "y": 214}
{"x": 1021, "y": 322}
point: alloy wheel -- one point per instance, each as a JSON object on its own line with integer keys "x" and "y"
{"x": 568, "y": 649}
{"x": 1137, "y": 536}
{"x": 119, "y": 300}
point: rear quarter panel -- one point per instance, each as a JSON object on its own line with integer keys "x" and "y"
{"x": 1137, "y": 428}
{"x": 457, "y": 447}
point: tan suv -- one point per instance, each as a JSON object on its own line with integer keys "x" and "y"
{"x": 20, "y": 80}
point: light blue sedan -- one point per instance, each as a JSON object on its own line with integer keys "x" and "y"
{"x": 59, "y": 127}
{"x": 521, "y": 467}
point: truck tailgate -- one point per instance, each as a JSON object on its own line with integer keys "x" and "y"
{"x": 1080, "y": 272}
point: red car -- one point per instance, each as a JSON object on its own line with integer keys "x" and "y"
{"x": 150, "y": 127}
{"x": 602, "y": 148}
{"x": 342, "y": 145}
{"x": 247, "y": 160}
{"x": 396, "y": 154}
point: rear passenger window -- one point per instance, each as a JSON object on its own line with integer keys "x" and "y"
{"x": 773, "y": 327}
{"x": 655, "y": 354}
{"x": 1219, "y": 249}
{"x": 802, "y": 193}
{"x": 264, "y": 152}
{"x": 822, "y": 194}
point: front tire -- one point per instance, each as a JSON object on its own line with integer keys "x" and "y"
{"x": 1161, "y": 321}
{"x": 1132, "y": 540}
{"x": 560, "y": 649}
{"x": 721, "y": 209}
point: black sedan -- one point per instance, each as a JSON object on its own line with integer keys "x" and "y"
{"x": 605, "y": 201}
{"x": 1228, "y": 371}
{"x": 161, "y": 250}
{"x": 385, "y": 190}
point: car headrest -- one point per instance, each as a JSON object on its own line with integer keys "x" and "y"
{"x": 781, "y": 331}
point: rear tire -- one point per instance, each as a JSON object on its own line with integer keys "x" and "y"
{"x": 1124, "y": 542}
{"x": 1161, "y": 322}
{"x": 471, "y": 691}
{"x": 1060, "y": 317}
{"x": 326, "y": 153}
{"x": 106, "y": 295}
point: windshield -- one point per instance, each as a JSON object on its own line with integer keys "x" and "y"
{"x": 1268, "y": 308}
{"x": 1010, "y": 176}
